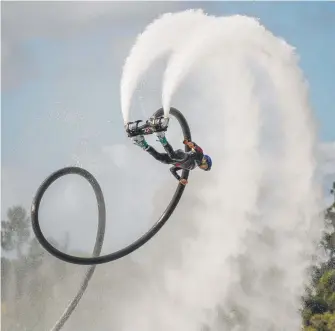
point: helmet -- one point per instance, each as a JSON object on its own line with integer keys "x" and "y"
{"x": 208, "y": 161}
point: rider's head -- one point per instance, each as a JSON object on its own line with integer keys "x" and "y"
{"x": 206, "y": 163}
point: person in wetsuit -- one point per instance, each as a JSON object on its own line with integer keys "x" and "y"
{"x": 179, "y": 158}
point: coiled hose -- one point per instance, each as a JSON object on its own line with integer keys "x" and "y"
{"x": 96, "y": 258}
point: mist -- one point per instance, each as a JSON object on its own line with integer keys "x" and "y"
{"x": 257, "y": 226}
{"x": 235, "y": 254}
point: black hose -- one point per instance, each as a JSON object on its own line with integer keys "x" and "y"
{"x": 102, "y": 212}
{"x": 101, "y": 222}
{"x": 99, "y": 238}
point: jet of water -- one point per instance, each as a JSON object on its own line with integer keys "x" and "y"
{"x": 257, "y": 224}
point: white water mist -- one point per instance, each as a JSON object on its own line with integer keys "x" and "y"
{"x": 257, "y": 223}
{"x": 160, "y": 37}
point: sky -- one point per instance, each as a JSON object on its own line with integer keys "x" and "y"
{"x": 61, "y": 70}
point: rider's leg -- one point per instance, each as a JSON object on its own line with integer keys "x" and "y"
{"x": 175, "y": 155}
{"x": 162, "y": 157}
{"x": 141, "y": 142}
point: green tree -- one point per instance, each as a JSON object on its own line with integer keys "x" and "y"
{"x": 15, "y": 232}
{"x": 35, "y": 254}
{"x": 321, "y": 322}
{"x": 329, "y": 238}
{"x": 319, "y": 302}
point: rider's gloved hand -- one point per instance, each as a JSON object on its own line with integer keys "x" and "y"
{"x": 190, "y": 144}
{"x": 183, "y": 181}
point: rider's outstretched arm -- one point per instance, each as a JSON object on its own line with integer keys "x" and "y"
{"x": 194, "y": 146}
{"x": 196, "y": 151}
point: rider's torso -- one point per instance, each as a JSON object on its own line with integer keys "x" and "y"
{"x": 187, "y": 160}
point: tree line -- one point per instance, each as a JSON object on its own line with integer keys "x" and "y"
{"x": 318, "y": 309}
{"x": 26, "y": 285}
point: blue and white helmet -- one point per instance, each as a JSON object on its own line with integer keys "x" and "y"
{"x": 208, "y": 161}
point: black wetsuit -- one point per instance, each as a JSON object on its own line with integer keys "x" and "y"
{"x": 179, "y": 158}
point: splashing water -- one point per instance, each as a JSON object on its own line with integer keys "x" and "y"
{"x": 257, "y": 224}
{"x": 163, "y": 35}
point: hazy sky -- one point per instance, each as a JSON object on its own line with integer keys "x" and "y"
{"x": 61, "y": 68}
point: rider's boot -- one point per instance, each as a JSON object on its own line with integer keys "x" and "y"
{"x": 161, "y": 137}
{"x": 140, "y": 141}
